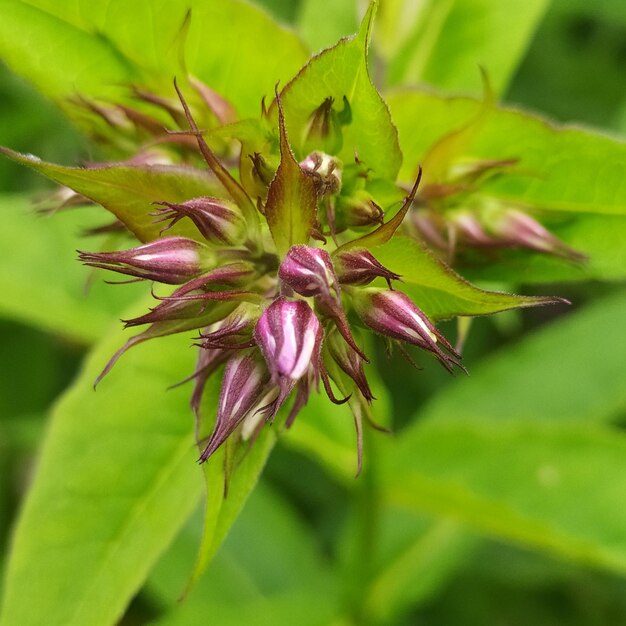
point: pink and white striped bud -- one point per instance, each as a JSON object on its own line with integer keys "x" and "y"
{"x": 242, "y": 392}
{"x": 290, "y": 337}
{"x": 360, "y": 267}
{"x": 217, "y": 220}
{"x": 171, "y": 260}
{"x": 309, "y": 271}
{"x": 392, "y": 313}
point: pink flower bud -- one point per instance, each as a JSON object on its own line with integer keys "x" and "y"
{"x": 245, "y": 379}
{"x": 309, "y": 271}
{"x": 359, "y": 267}
{"x": 392, "y": 313}
{"x": 290, "y": 337}
{"x": 217, "y": 220}
{"x": 171, "y": 260}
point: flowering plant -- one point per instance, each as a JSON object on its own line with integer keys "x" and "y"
{"x": 290, "y": 240}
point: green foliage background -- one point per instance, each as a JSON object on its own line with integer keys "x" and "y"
{"x": 504, "y": 494}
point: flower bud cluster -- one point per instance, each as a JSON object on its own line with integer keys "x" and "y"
{"x": 274, "y": 326}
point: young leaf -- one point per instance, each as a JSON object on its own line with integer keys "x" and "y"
{"x": 291, "y": 206}
{"x": 438, "y": 290}
{"x": 522, "y": 481}
{"x": 338, "y": 72}
{"x": 116, "y": 479}
{"x": 41, "y": 282}
{"x": 129, "y": 191}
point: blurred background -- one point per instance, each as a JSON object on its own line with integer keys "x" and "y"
{"x": 573, "y": 71}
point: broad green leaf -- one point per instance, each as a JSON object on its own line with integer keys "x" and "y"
{"x": 440, "y": 291}
{"x": 338, "y": 72}
{"x": 42, "y": 282}
{"x": 291, "y": 207}
{"x": 116, "y": 479}
{"x": 562, "y": 169}
{"x": 322, "y": 24}
{"x": 557, "y": 488}
{"x": 443, "y": 42}
{"x": 117, "y": 461}
{"x": 557, "y": 373}
{"x": 59, "y": 58}
{"x": 129, "y": 191}
{"x": 416, "y": 568}
{"x": 269, "y": 559}
{"x": 106, "y": 42}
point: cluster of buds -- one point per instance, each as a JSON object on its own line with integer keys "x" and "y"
{"x": 277, "y": 325}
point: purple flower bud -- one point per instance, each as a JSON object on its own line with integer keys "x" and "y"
{"x": 325, "y": 171}
{"x": 392, "y": 313}
{"x": 360, "y": 267}
{"x": 309, "y": 271}
{"x": 234, "y": 331}
{"x": 217, "y": 220}
{"x": 171, "y": 260}
{"x": 349, "y": 361}
{"x": 290, "y": 337}
{"x": 245, "y": 379}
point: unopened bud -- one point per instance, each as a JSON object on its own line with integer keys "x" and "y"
{"x": 392, "y": 313}
{"x": 245, "y": 378}
{"x": 324, "y": 129}
{"x": 217, "y": 220}
{"x": 309, "y": 271}
{"x": 325, "y": 170}
{"x": 171, "y": 260}
{"x": 349, "y": 361}
{"x": 360, "y": 210}
{"x": 290, "y": 337}
{"x": 360, "y": 267}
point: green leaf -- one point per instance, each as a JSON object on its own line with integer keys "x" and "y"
{"x": 585, "y": 383}
{"x": 269, "y": 559}
{"x": 59, "y": 58}
{"x": 338, "y": 72}
{"x": 291, "y": 207}
{"x": 443, "y": 42}
{"x": 439, "y": 291}
{"x": 42, "y": 282}
{"x": 88, "y": 46}
{"x": 221, "y": 511}
{"x": 561, "y": 169}
{"x": 321, "y": 24}
{"x": 541, "y": 485}
{"x": 129, "y": 191}
{"x": 116, "y": 479}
